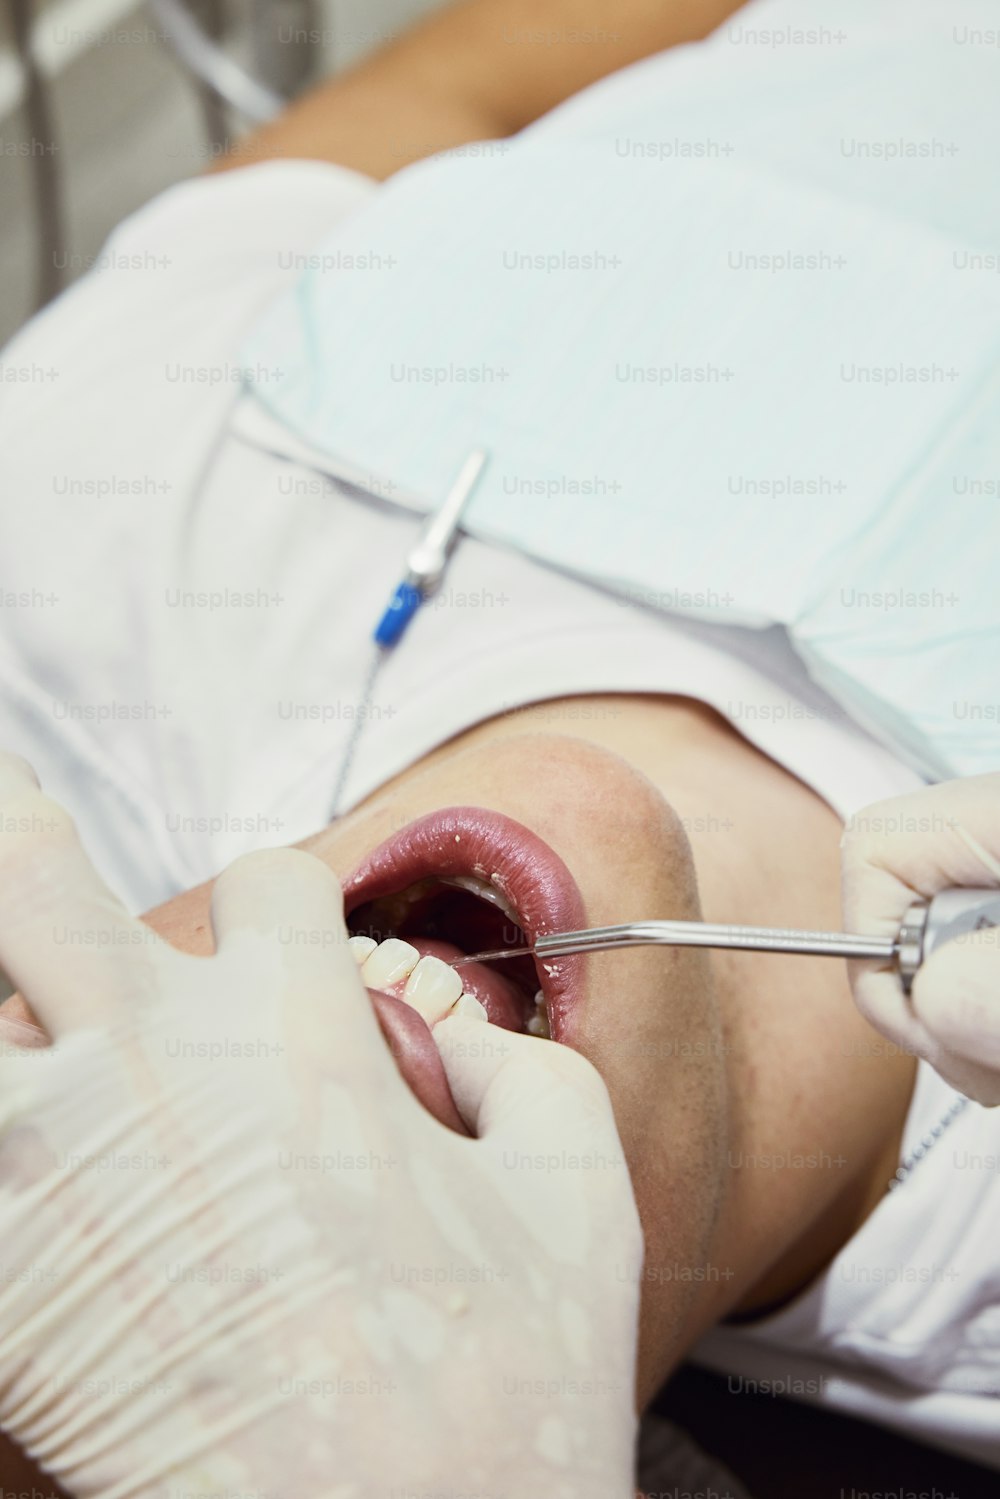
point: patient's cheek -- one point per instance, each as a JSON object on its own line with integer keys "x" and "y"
{"x": 185, "y": 921}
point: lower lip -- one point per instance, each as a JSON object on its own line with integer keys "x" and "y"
{"x": 494, "y": 848}
{"x": 417, "y": 1057}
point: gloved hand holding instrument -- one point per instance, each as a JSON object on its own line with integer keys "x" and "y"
{"x": 924, "y": 952}
{"x": 914, "y": 848}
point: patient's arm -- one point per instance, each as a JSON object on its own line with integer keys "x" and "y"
{"x": 477, "y": 70}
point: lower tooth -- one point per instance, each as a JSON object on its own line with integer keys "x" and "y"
{"x": 469, "y": 1008}
{"x": 361, "y": 948}
{"x": 390, "y": 963}
{"x": 432, "y": 988}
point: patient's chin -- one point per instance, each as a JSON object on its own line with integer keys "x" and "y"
{"x": 415, "y": 1053}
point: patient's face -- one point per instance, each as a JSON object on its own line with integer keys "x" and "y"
{"x": 572, "y": 805}
{"x": 612, "y": 850}
{"x": 591, "y": 840}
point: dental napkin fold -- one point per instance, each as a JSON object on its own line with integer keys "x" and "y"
{"x": 712, "y": 379}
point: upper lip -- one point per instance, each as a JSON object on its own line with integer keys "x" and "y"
{"x": 491, "y": 847}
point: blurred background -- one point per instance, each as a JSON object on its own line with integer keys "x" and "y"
{"x": 104, "y": 103}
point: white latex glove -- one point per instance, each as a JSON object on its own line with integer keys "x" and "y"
{"x": 238, "y": 1256}
{"x": 918, "y": 845}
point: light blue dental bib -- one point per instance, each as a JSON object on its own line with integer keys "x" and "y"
{"x": 723, "y": 365}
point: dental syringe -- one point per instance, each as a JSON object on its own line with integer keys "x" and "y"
{"x": 927, "y": 925}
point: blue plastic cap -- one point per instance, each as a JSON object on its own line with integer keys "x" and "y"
{"x": 403, "y": 606}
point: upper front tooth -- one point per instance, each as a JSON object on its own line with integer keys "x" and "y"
{"x": 361, "y": 948}
{"x": 432, "y": 989}
{"x": 390, "y": 963}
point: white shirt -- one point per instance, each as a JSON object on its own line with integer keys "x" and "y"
{"x": 186, "y": 615}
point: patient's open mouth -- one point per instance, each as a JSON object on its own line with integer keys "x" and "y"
{"x": 467, "y": 880}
